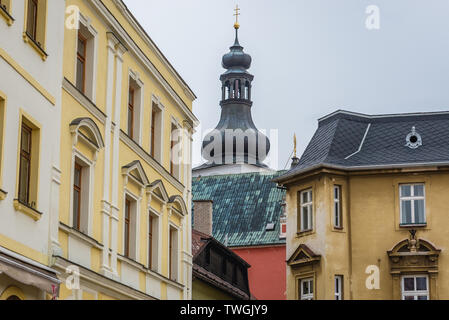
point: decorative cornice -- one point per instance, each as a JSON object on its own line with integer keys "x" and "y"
{"x": 83, "y": 100}
{"x": 134, "y": 48}
{"x": 150, "y": 161}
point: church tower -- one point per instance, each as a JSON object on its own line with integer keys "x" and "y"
{"x": 235, "y": 145}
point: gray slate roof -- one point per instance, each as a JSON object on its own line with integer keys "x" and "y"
{"x": 354, "y": 141}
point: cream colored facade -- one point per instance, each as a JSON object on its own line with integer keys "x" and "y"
{"x": 30, "y": 96}
{"x": 127, "y": 176}
{"x": 371, "y": 241}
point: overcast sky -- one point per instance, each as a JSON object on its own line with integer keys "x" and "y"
{"x": 310, "y": 58}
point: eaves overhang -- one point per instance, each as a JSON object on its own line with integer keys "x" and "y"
{"x": 288, "y": 177}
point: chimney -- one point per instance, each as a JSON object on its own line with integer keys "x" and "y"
{"x": 202, "y": 216}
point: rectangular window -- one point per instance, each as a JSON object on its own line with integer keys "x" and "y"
{"x": 415, "y": 288}
{"x": 338, "y": 287}
{"x": 127, "y": 227}
{"x": 153, "y": 131}
{"x": 25, "y": 164}
{"x": 81, "y": 63}
{"x": 412, "y": 204}
{"x": 28, "y": 164}
{"x": 131, "y": 113}
{"x": 150, "y": 242}
{"x": 172, "y": 145}
{"x": 306, "y": 289}
{"x": 77, "y": 176}
{"x": 173, "y": 254}
{"x": 337, "y": 208}
{"x": 86, "y": 56}
{"x": 32, "y": 19}
{"x": 156, "y": 132}
{"x": 306, "y": 211}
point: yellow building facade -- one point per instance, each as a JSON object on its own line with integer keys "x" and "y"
{"x": 126, "y": 133}
{"x": 367, "y": 210}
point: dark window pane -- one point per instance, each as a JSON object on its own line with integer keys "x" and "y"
{"x": 32, "y": 18}
{"x": 305, "y": 197}
{"x": 406, "y": 191}
{"x": 77, "y": 177}
{"x": 419, "y": 190}
{"x": 305, "y": 218}
{"x": 422, "y": 298}
{"x": 409, "y": 284}
{"x": 421, "y": 283}
{"x": 24, "y": 180}
{"x": 80, "y": 75}
{"x": 419, "y": 211}
{"x": 81, "y": 47}
{"x": 130, "y": 122}
{"x": 26, "y": 141}
{"x": 76, "y": 208}
{"x": 409, "y": 298}
{"x": 406, "y": 212}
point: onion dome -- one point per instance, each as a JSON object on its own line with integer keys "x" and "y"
{"x": 236, "y": 59}
{"x": 236, "y": 139}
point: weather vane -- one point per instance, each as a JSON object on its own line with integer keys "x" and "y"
{"x": 294, "y": 144}
{"x": 236, "y": 14}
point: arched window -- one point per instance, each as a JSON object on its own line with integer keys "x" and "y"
{"x": 13, "y": 297}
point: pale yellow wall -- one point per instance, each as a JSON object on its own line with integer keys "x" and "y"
{"x": 72, "y": 109}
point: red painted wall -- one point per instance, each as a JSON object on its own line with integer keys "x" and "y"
{"x": 267, "y": 275}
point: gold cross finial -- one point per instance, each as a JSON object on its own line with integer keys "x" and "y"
{"x": 236, "y": 14}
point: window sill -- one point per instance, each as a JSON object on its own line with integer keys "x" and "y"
{"x": 80, "y": 235}
{"x": 338, "y": 229}
{"x": 35, "y": 45}
{"x": 304, "y": 233}
{"x": 410, "y": 226}
{"x": 3, "y": 194}
{"x": 5, "y": 14}
{"x": 24, "y": 208}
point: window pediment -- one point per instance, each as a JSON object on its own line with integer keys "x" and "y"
{"x": 87, "y": 130}
{"x": 302, "y": 256}
{"x": 177, "y": 205}
{"x": 417, "y": 255}
{"x": 157, "y": 189}
{"x": 134, "y": 170}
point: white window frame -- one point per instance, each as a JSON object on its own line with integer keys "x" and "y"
{"x": 176, "y": 249}
{"x": 412, "y": 198}
{"x": 134, "y": 235}
{"x": 177, "y": 167}
{"x": 337, "y": 207}
{"x": 91, "y": 53}
{"x": 338, "y": 287}
{"x": 415, "y": 293}
{"x": 308, "y": 295}
{"x": 309, "y": 205}
{"x": 136, "y": 83}
{"x": 159, "y": 130}
{"x": 155, "y": 250}
{"x": 87, "y": 187}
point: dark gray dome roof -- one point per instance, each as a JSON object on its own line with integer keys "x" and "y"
{"x": 236, "y": 59}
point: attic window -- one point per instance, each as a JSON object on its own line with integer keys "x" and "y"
{"x": 270, "y": 227}
{"x": 414, "y": 140}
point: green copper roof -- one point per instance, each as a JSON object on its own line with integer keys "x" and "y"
{"x": 244, "y": 204}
